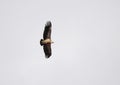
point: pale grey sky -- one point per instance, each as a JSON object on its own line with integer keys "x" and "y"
{"x": 86, "y": 49}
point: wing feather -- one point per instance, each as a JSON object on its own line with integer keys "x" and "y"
{"x": 47, "y": 50}
{"x": 47, "y": 31}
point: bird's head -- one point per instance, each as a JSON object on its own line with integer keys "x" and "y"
{"x": 48, "y": 24}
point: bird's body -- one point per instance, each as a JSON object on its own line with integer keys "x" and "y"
{"x": 46, "y": 41}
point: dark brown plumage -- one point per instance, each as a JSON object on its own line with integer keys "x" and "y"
{"x": 46, "y": 41}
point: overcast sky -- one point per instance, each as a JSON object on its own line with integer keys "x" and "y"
{"x": 86, "y": 49}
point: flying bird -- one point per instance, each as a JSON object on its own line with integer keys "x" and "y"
{"x": 46, "y": 41}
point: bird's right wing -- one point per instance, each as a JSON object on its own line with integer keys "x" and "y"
{"x": 47, "y": 50}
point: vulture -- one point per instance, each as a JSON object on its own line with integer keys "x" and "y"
{"x": 46, "y": 41}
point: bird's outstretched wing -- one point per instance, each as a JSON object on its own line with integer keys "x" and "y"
{"x": 47, "y": 31}
{"x": 47, "y": 35}
{"x": 47, "y": 50}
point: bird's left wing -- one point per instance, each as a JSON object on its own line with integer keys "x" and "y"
{"x": 47, "y": 31}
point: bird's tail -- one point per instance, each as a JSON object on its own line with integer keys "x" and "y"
{"x": 41, "y": 42}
